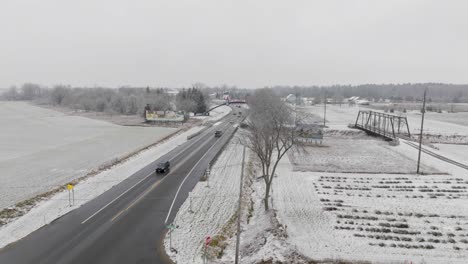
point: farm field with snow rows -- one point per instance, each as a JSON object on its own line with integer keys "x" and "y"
{"x": 42, "y": 148}
{"x": 375, "y": 217}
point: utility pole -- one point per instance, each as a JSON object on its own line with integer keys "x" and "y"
{"x": 324, "y": 109}
{"x": 239, "y": 209}
{"x": 421, "y": 132}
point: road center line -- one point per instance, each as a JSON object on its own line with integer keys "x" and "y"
{"x": 158, "y": 182}
{"x": 188, "y": 174}
{"x": 115, "y": 199}
{"x": 133, "y": 186}
{"x": 138, "y": 199}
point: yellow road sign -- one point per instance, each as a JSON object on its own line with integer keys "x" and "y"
{"x": 70, "y": 186}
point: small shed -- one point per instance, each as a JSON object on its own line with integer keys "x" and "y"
{"x": 309, "y": 133}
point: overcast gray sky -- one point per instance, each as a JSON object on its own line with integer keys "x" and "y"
{"x": 247, "y": 43}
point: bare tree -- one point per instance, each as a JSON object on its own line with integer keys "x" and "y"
{"x": 163, "y": 103}
{"x": 118, "y": 104}
{"x": 30, "y": 91}
{"x": 58, "y": 94}
{"x": 132, "y": 105}
{"x": 271, "y": 133}
{"x": 11, "y": 94}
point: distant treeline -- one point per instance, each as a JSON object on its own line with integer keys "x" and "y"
{"x": 437, "y": 92}
{"x": 128, "y": 101}
{"x": 133, "y": 100}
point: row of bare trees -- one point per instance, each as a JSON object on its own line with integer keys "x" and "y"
{"x": 127, "y": 101}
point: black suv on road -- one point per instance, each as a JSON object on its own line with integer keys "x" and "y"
{"x": 163, "y": 167}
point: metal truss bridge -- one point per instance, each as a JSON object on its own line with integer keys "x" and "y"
{"x": 385, "y": 125}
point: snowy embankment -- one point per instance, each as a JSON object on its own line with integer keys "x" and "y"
{"x": 42, "y": 149}
{"x": 48, "y": 210}
{"x": 263, "y": 239}
{"x": 209, "y": 207}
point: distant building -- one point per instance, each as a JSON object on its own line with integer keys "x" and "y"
{"x": 172, "y": 92}
{"x": 353, "y": 99}
{"x": 226, "y": 96}
{"x": 356, "y": 100}
{"x": 309, "y": 133}
{"x": 363, "y": 102}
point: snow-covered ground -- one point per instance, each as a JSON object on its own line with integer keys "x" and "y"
{"x": 56, "y": 206}
{"x": 352, "y": 155}
{"x": 208, "y": 209}
{"x": 41, "y": 148}
{"x": 337, "y": 118}
{"x": 455, "y": 152}
{"x": 215, "y": 114}
{"x": 263, "y": 239}
{"x": 212, "y": 211}
{"x": 460, "y": 118}
{"x": 434, "y": 124}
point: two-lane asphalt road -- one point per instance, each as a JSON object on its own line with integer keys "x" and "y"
{"x": 126, "y": 224}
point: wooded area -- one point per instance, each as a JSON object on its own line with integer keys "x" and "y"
{"x": 126, "y": 101}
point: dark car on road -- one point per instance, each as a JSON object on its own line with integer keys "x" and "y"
{"x": 218, "y": 133}
{"x": 163, "y": 167}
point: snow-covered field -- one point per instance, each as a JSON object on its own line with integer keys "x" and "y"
{"x": 337, "y": 118}
{"x": 374, "y": 217}
{"x": 460, "y": 118}
{"x": 352, "y": 156}
{"x": 42, "y": 148}
{"x": 437, "y": 125}
{"x": 208, "y": 209}
{"x": 57, "y": 205}
{"x": 455, "y": 152}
